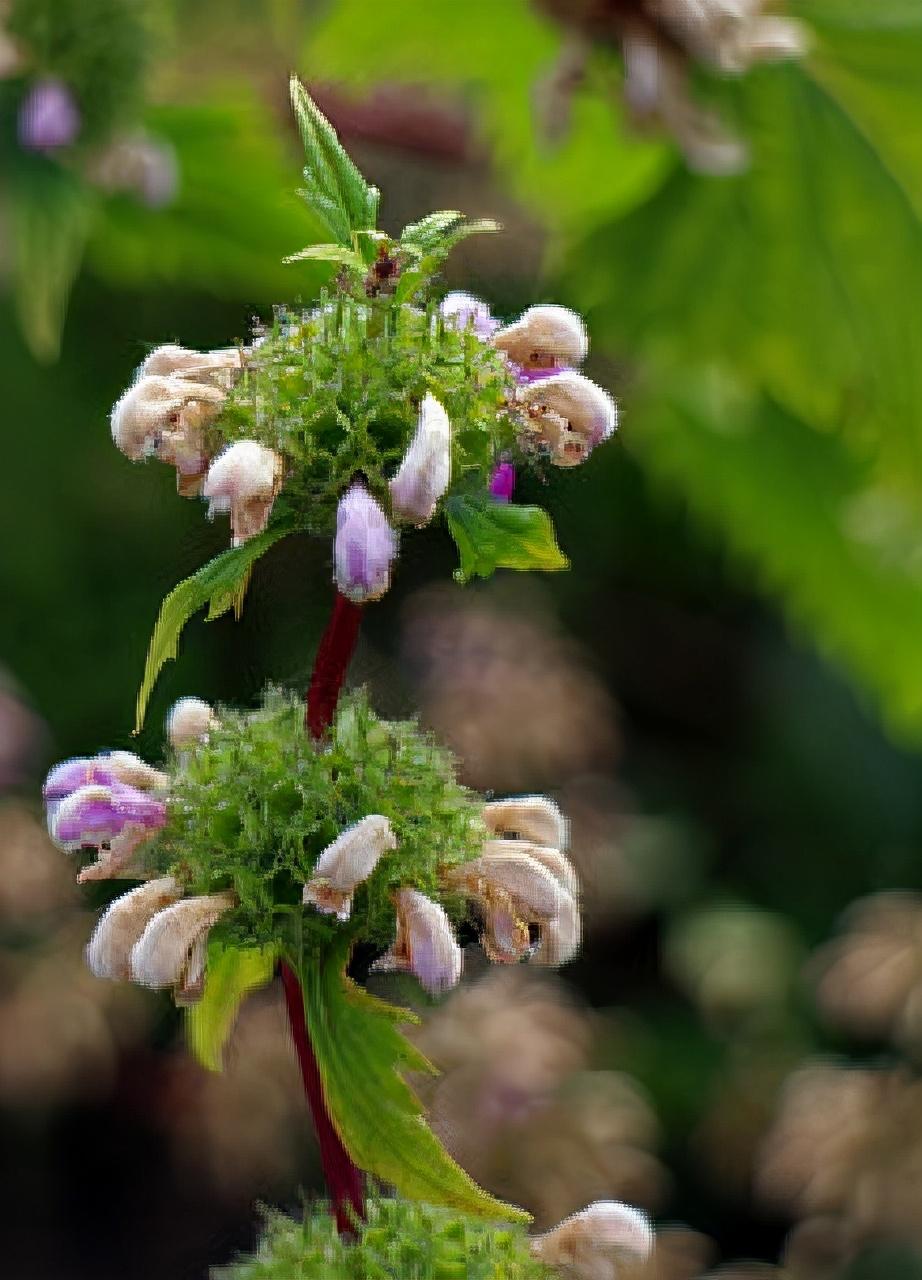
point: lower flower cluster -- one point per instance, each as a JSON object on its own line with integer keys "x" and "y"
{"x": 255, "y": 831}
{"x": 399, "y": 1239}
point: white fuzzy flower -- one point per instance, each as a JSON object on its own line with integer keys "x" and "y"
{"x": 164, "y": 415}
{"x": 189, "y": 722}
{"x": 425, "y": 472}
{"x": 544, "y": 337}
{"x": 534, "y": 818}
{"x": 221, "y": 367}
{"x": 244, "y": 480}
{"x": 591, "y": 1244}
{"x": 345, "y": 863}
{"x": 570, "y": 415}
{"x": 109, "y": 950}
{"x": 172, "y": 949}
{"x": 425, "y": 945}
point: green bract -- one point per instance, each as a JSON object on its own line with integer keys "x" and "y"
{"x": 336, "y": 391}
{"x": 252, "y": 808}
{"x": 399, "y": 1241}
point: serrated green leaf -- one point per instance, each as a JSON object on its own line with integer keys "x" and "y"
{"x": 335, "y": 190}
{"x": 361, "y": 1055}
{"x": 843, "y": 552}
{"x": 329, "y": 253}
{"x": 494, "y": 535}
{"x": 231, "y": 973}
{"x": 427, "y": 243}
{"x": 219, "y": 584}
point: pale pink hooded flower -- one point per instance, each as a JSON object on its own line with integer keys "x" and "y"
{"x": 425, "y": 472}
{"x": 364, "y": 547}
{"x": 426, "y": 945}
{"x": 345, "y": 863}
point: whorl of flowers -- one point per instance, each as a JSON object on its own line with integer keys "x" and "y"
{"x": 381, "y": 407}
{"x": 252, "y": 828}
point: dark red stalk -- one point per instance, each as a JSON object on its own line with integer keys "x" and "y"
{"x": 343, "y": 1178}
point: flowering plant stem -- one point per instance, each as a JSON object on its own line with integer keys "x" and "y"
{"x": 343, "y": 1178}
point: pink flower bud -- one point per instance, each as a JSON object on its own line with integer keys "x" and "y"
{"x": 364, "y": 548}
{"x": 502, "y": 482}
{"x": 49, "y": 117}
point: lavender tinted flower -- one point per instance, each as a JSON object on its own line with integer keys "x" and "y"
{"x": 425, "y": 472}
{"x": 463, "y": 310}
{"x": 49, "y": 117}
{"x": 364, "y": 547}
{"x": 569, "y": 415}
{"x": 502, "y": 482}
{"x": 114, "y": 819}
{"x": 425, "y": 945}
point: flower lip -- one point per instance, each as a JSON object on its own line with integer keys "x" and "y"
{"x": 244, "y": 479}
{"x": 95, "y": 813}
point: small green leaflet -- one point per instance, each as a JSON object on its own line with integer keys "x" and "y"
{"x": 494, "y": 535}
{"x": 329, "y": 253}
{"x": 219, "y": 584}
{"x": 437, "y": 234}
{"x": 231, "y": 974}
{"x": 336, "y": 192}
{"x": 361, "y": 1054}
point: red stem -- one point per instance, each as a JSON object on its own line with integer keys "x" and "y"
{"x": 343, "y": 1178}
{"x": 333, "y": 655}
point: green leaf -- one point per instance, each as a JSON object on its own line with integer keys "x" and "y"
{"x": 335, "y": 191}
{"x": 51, "y": 214}
{"x": 842, "y": 551}
{"x": 494, "y": 535}
{"x": 329, "y": 253}
{"x": 361, "y": 1054}
{"x": 232, "y": 972}
{"x": 219, "y": 584}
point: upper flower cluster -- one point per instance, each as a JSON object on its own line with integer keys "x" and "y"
{"x": 252, "y": 825}
{"x": 365, "y": 414}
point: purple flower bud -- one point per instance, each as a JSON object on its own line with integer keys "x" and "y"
{"x": 463, "y": 310}
{"x": 49, "y": 117}
{"x": 71, "y": 774}
{"x": 364, "y": 547}
{"x": 502, "y": 482}
{"x": 97, "y": 813}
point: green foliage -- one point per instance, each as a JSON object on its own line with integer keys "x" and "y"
{"x": 336, "y": 192}
{"x": 253, "y": 807}
{"x": 362, "y": 1056}
{"x": 220, "y": 584}
{"x": 494, "y": 535}
{"x": 231, "y": 973}
{"x": 399, "y": 1241}
{"x": 337, "y": 390}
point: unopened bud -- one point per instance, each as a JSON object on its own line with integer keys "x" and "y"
{"x": 364, "y": 547}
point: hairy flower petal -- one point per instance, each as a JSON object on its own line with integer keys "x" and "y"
{"x": 220, "y": 367}
{"x": 244, "y": 480}
{"x": 189, "y": 721}
{"x": 591, "y": 1243}
{"x": 570, "y": 415}
{"x": 535, "y": 818}
{"x": 109, "y": 950}
{"x": 164, "y": 415}
{"x": 345, "y": 863}
{"x": 169, "y": 951}
{"x": 94, "y": 814}
{"x": 543, "y": 337}
{"x": 425, "y": 472}
{"x": 426, "y": 945}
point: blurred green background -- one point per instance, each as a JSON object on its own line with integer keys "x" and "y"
{"x": 747, "y": 556}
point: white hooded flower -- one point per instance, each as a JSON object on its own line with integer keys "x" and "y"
{"x": 172, "y": 949}
{"x": 426, "y": 945}
{"x": 244, "y": 480}
{"x": 425, "y": 472}
{"x": 109, "y": 950}
{"x": 345, "y": 863}
{"x": 570, "y": 415}
{"x": 221, "y": 367}
{"x": 534, "y": 818}
{"x": 163, "y": 415}
{"x": 189, "y": 722}
{"x": 591, "y": 1244}
{"x": 544, "y": 337}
